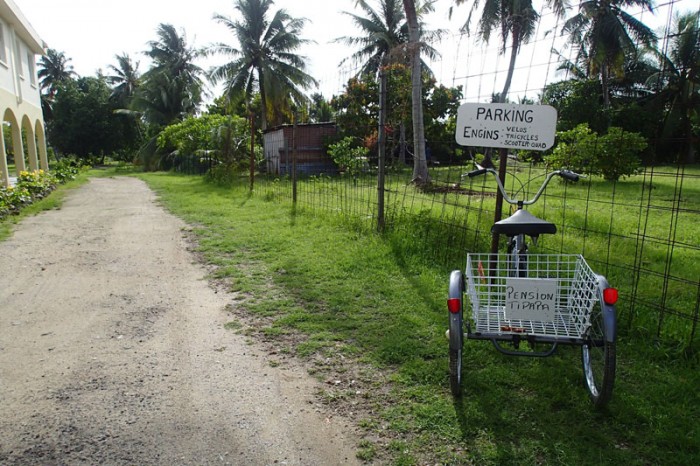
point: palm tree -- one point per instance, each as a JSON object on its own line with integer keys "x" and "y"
{"x": 384, "y": 34}
{"x": 53, "y": 70}
{"x": 169, "y": 91}
{"x": 384, "y": 39}
{"x": 517, "y": 21}
{"x": 173, "y": 58}
{"x": 678, "y": 80}
{"x": 265, "y": 60}
{"x": 124, "y": 80}
{"x": 607, "y": 34}
{"x": 420, "y": 163}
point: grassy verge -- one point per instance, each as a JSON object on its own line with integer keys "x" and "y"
{"x": 369, "y": 320}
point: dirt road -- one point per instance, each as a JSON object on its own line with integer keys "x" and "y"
{"x": 113, "y": 350}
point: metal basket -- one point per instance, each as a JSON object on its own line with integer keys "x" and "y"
{"x": 552, "y": 298}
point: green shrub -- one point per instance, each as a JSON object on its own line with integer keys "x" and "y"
{"x": 37, "y": 184}
{"x": 613, "y": 155}
{"x": 350, "y": 159}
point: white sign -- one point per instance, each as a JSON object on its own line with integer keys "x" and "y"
{"x": 509, "y": 126}
{"x": 531, "y": 299}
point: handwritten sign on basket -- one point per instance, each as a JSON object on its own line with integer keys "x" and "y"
{"x": 531, "y": 299}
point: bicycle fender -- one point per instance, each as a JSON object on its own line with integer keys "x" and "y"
{"x": 455, "y": 291}
{"x": 609, "y": 314}
{"x": 456, "y": 285}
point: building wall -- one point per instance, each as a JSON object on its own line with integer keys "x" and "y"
{"x": 20, "y": 97}
{"x": 311, "y": 157}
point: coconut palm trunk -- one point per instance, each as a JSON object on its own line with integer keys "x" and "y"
{"x": 420, "y": 164}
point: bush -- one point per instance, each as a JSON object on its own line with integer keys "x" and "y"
{"x": 35, "y": 185}
{"x": 352, "y": 160}
{"x": 613, "y": 155}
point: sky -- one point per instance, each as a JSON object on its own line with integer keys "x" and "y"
{"x": 92, "y": 32}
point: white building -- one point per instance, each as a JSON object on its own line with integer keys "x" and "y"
{"x": 20, "y": 100}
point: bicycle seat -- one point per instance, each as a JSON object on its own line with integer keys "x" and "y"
{"x": 523, "y": 222}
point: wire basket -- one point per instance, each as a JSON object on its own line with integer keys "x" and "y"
{"x": 551, "y": 297}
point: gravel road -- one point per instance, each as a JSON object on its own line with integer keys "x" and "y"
{"x": 113, "y": 350}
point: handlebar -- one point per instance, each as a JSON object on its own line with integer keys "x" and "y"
{"x": 566, "y": 174}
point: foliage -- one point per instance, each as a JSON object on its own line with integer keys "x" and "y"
{"x": 384, "y": 34}
{"x": 125, "y": 79}
{"x": 678, "y": 83}
{"x": 348, "y": 156}
{"x": 613, "y": 155}
{"x": 576, "y": 101}
{"x": 320, "y": 110}
{"x": 84, "y": 121}
{"x": 605, "y": 35}
{"x": 332, "y": 296}
{"x": 264, "y": 61}
{"x": 30, "y": 186}
{"x": 357, "y": 109}
{"x": 224, "y": 140}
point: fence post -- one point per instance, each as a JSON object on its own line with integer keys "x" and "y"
{"x": 381, "y": 145}
{"x": 294, "y": 161}
{"x": 252, "y": 153}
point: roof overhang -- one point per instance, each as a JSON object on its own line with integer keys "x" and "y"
{"x": 13, "y": 15}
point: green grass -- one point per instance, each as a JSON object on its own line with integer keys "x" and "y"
{"x": 362, "y": 309}
{"x": 635, "y": 231}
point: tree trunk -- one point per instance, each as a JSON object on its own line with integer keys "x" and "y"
{"x": 263, "y": 100}
{"x": 420, "y": 165}
{"x": 503, "y": 153}
{"x": 604, "y": 84}
{"x": 402, "y": 143}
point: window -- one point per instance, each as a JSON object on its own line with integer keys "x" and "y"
{"x": 20, "y": 68}
{"x": 31, "y": 66}
{"x": 3, "y": 52}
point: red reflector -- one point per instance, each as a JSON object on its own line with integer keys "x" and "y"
{"x": 610, "y": 296}
{"x": 454, "y": 305}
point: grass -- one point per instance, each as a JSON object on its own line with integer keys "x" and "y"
{"x": 370, "y": 317}
{"x": 640, "y": 232}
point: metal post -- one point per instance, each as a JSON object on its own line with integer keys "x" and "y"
{"x": 252, "y": 153}
{"x": 294, "y": 161}
{"x": 381, "y": 145}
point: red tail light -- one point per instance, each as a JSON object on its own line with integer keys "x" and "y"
{"x": 454, "y": 305}
{"x": 610, "y": 296}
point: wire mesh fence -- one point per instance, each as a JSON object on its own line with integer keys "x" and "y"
{"x": 639, "y": 231}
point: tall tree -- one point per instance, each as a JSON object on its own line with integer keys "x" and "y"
{"x": 678, "y": 80}
{"x": 169, "y": 91}
{"x": 383, "y": 39}
{"x": 54, "y": 69}
{"x": 420, "y": 163}
{"x": 265, "y": 60}
{"x": 174, "y": 71}
{"x": 124, "y": 79}
{"x": 606, "y": 34}
{"x": 516, "y": 20}
{"x": 384, "y": 34}
{"x": 84, "y": 122}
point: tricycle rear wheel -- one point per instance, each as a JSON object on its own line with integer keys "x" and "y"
{"x": 598, "y": 355}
